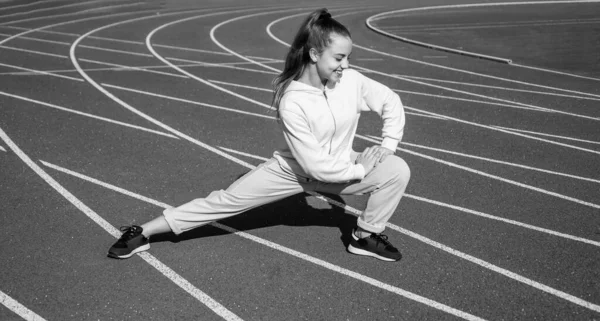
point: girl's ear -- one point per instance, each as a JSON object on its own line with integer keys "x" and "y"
{"x": 314, "y": 54}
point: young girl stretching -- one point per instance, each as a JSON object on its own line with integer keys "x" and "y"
{"x": 318, "y": 102}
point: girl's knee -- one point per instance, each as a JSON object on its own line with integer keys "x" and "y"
{"x": 397, "y": 168}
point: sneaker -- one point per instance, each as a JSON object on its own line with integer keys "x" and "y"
{"x": 131, "y": 242}
{"x": 375, "y": 245}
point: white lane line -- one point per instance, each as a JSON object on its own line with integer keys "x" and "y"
{"x": 419, "y": 82}
{"x": 478, "y": 95}
{"x": 271, "y": 91}
{"x": 265, "y": 60}
{"x": 20, "y": 13}
{"x": 215, "y": 306}
{"x": 500, "y": 88}
{"x": 28, "y": 4}
{"x": 475, "y": 73}
{"x": 111, "y": 15}
{"x": 149, "y": 69}
{"x": 555, "y": 72}
{"x": 468, "y": 100}
{"x": 87, "y": 115}
{"x": 47, "y": 73}
{"x": 289, "y": 251}
{"x": 209, "y": 64}
{"x": 2, "y": 149}
{"x": 187, "y": 101}
{"x": 380, "y": 15}
{"x": 505, "y": 24}
{"x": 548, "y": 135}
{"x": 506, "y": 180}
{"x": 264, "y": 159}
{"x": 18, "y": 308}
{"x": 71, "y": 14}
{"x": 32, "y": 51}
{"x": 497, "y": 161}
{"x": 419, "y": 237}
{"x": 564, "y": 197}
{"x": 504, "y": 131}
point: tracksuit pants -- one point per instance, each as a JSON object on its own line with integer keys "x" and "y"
{"x": 268, "y": 183}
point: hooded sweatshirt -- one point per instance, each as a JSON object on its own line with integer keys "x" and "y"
{"x": 319, "y": 125}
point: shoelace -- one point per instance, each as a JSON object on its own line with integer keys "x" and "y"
{"x": 381, "y": 238}
{"x": 128, "y": 232}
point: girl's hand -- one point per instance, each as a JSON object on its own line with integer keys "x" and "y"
{"x": 378, "y": 152}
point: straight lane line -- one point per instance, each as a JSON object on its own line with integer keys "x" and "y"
{"x": 215, "y": 306}
{"x": 18, "y": 308}
{"x": 87, "y": 115}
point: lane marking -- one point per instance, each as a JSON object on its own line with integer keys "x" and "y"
{"x": 47, "y": 73}
{"x": 187, "y": 101}
{"x": 208, "y": 64}
{"x": 504, "y": 24}
{"x": 506, "y": 180}
{"x": 87, "y": 115}
{"x": 2, "y": 149}
{"x": 20, "y": 13}
{"x": 468, "y": 53}
{"x": 356, "y": 212}
{"x": 548, "y": 135}
{"x": 500, "y": 88}
{"x": 469, "y": 100}
{"x": 270, "y": 91}
{"x": 215, "y": 306}
{"x": 289, "y": 251}
{"x": 70, "y": 14}
{"x": 141, "y": 43}
{"x": 491, "y": 160}
{"x": 28, "y": 4}
{"x": 419, "y": 82}
{"x": 18, "y": 308}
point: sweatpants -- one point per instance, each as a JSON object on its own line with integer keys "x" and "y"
{"x": 268, "y": 183}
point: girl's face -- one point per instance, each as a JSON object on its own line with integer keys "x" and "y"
{"x": 334, "y": 58}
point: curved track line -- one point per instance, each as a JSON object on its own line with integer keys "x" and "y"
{"x": 74, "y": 13}
{"x": 28, "y": 4}
{"x": 468, "y": 53}
{"x": 549, "y": 135}
{"x": 436, "y": 65}
{"x": 129, "y": 107}
{"x": 480, "y": 262}
{"x": 215, "y": 306}
{"x": 112, "y": 15}
{"x": 501, "y": 88}
{"x": 50, "y": 8}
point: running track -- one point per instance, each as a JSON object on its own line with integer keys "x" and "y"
{"x": 112, "y": 110}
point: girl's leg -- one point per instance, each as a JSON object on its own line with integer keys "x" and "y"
{"x": 265, "y": 184}
{"x": 385, "y": 184}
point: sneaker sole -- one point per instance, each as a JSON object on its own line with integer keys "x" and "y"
{"x": 126, "y": 256}
{"x": 356, "y": 251}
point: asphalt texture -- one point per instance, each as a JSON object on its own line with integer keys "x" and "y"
{"x": 500, "y": 221}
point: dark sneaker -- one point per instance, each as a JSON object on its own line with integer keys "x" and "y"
{"x": 131, "y": 242}
{"x": 375, "y": 245}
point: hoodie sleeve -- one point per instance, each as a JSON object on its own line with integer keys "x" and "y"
{"x": 382, "y": 100}
{"x": 305, "y": 148}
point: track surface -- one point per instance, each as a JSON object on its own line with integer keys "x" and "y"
{"x": 501, "y": 220}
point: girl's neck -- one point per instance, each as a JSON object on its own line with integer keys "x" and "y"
{"x": 311, "y": 77}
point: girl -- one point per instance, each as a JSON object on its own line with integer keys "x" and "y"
{"x": 318, "y": 102}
